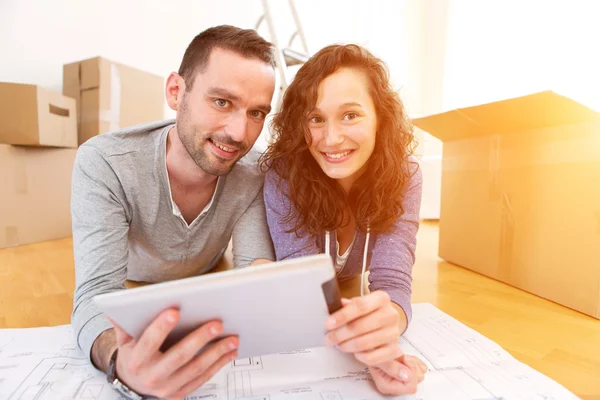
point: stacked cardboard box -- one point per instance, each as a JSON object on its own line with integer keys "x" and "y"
{"x": 521, "y": 195}
{"x": 38, "y": 141}
{"x": 39, "y": 134}
{"x": 112, "y": 96}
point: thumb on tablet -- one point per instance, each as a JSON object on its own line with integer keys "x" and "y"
{"x": 122, "y": 336}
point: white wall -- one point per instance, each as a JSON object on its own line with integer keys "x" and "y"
{"x": 498, "y": 49}
{"x": 38, "y": 36}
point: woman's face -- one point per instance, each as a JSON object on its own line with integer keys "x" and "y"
{"x": 343, "y": 126}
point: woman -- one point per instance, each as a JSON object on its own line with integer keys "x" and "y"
{"x": 341, "y": 180}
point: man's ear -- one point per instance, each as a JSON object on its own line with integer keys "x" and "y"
{"x": 174, "y": 90}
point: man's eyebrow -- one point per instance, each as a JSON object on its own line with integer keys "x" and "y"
{"x": 266, "y": 108}
{"x": 224, "y": 93}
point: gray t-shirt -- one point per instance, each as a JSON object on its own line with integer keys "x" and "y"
{"x": 126, "y": 225}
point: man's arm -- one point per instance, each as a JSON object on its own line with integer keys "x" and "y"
{"x": 252, "y": 243}
{"x": 100, "y": 229}
{"x": 102, "y": 349}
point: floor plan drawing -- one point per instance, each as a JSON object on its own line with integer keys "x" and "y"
{"x": 62, "y": 378}
{"x": 247, "y": 363}
{"x": 45, "y": 363}
{"x": 5, "y": 344}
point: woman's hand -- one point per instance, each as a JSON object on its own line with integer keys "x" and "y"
{"x": 387, "y": 376}
{"x": 368, "y": 327}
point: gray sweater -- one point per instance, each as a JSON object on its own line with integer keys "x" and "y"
{"x": 126, "y": 225}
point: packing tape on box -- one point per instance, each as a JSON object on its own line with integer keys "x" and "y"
{"x": 507, "y": 219}
{"x": 494, "y": 167}
{"x": 113, "y": 114}
{"x": 507, "y": 238}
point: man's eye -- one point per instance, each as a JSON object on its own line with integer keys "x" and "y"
{"x": 258, "y": 114}
{"x": 221, "y": 103}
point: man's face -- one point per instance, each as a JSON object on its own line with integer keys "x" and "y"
{"x": 221, "y": 117}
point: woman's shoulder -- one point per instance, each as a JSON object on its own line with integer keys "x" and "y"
{"x": 273, "y": 179}
{"x": 413, "y": 172}
{"x": 275, "y": 188}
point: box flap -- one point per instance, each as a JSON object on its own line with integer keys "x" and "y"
{"x": 18, "y": 114}
{"x": 90, "y": 73}
{"x": 536, "y": 110}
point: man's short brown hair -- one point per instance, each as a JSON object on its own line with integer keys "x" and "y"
{"x": 246, "y": 42}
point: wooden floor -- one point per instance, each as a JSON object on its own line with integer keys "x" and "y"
{"x": 37, "y": 282}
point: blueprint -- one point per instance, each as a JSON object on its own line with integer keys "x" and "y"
{"x": 44, "y": 363}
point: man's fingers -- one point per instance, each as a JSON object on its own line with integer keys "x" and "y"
{"x": 202, "y": 363}
{"x": 186, "y": 349}
{"x": 153, "y": 337}
{"x": 120, "y": 334}
{"x": 209, "y": 373}
{"x": 358, "y": 307}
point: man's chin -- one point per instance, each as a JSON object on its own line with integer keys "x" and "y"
{"x": 219, "y": 167}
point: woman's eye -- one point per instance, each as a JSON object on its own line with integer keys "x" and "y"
{"x": 316, "y": 120}
{"x": 350, "y": 116}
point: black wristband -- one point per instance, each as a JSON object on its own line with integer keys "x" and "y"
{"x": 111, "y": 373}
{"x": 115, "y": 382}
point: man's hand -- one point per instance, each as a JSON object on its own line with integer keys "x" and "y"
{"x": 178, "y": 371}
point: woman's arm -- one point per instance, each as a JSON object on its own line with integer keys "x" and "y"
{"x": 278, "y": 205}
{"x": 393, "y": 254}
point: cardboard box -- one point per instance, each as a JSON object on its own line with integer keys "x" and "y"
{"x": 35, "y": 188}
{"x": 33, "y": 116}
{"x": 112, "y": 96}
{"x": 521, "y": 195}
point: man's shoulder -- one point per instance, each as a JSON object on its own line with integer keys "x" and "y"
{"x": 128, "y": 140}
{"x": 246, "y": 172}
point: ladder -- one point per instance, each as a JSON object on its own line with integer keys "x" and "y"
{"x": 285, "y": 57}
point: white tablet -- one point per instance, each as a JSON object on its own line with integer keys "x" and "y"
{"x": 276, "y": 307}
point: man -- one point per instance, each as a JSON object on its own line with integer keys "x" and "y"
{"x": 162, "y": 201}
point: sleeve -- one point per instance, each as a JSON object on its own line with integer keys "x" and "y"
{"x": 100, "y": 229}
{"x": 251, "y": 239}
{"x": 393, "y": 253}
{"x": 287, "y": 244}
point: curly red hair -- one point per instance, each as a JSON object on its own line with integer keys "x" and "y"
{"x": 319, "y": 202}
